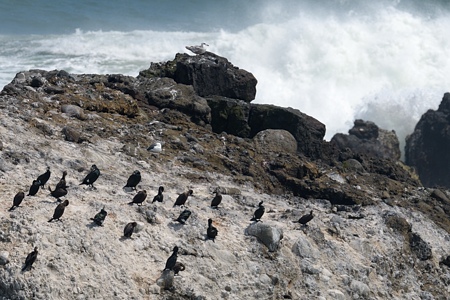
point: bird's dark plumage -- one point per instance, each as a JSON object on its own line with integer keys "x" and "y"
{"x": 43, "y": 178}
{"x": 92, "y": 176}
{"x": 57, "y": 193}
{"x": 34, "y": 188}
{"x": 178, "y": 267}
{"x": 183, "y": 197}
{"x": 139, "y": 197}
{"x": 133, "y": 180}
{"x": 129, "y": 228}
{"x": 172, "y": 260}
{"x": 59, "y": 210}
{"x": 17, "y": 200}
{"x": 183, "y": 216}
{"x": 306, "y": 218}
{"x": 100, "y": 217}
{"x": 259, "y": 212}
{"x": 31, "y": 258}
{"x": 216, "y": 200}
{"x": 211, "y": 232}
{"x": 160, "y": 196}
{"x": 62, "y": 182}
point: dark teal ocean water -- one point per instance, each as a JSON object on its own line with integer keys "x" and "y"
{"x": 386, "y": 61}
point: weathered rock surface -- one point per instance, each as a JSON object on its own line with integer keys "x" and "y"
{"x": 275, "y": 141}
{"x": 268, "y": 235}
{"x": 427, "y": 147}
{"x": 209, "y": 74}
{"x": 366, "y": 138}
{"x": 357, "y": 246}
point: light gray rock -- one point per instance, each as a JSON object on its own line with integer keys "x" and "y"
{"x": 268, "y": 235}
{"x": 336, "y": 294}
{"x": 359, "y": 288}
{"x": 73, "y": 111}
{"x": 276, "y": 141}
{"x": 304, "y": 249}
{"x": 166, "y": 279}
{"x": 4, "y": 257}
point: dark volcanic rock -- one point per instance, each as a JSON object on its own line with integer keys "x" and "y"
{"x": 427, "y": 148}
{"x": 366, "y": 138}
{"x": 229, "y": 115}
{"x": 419, "y": 247}
{"x": 166, "y": 93}
{"x": 306, "y": 130}
{"x": 209, "y": 74}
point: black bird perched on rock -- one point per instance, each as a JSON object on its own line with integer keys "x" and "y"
{"x": 211, "y": 232}
{"x": 59, "y": 210}
{"x": 58, "y": 192}
{"x": 43, "y": 178}
{"x": 139, "y": 197}
{"x": 182, "y": 198}
{"x": 92, "y": 176}
{"x": 62, "y": 181}
{"x": 34, "y": 188}
{"x": 217, "y": 199}
{"x": 31, "y": 258}
{"x": 100, "y": 217}
{"x": 306, "y": 218}
{"x": 172, "y": 260}
{"x": 129, "y": 228}
{"x": 183, "y": 216}
{"x": 17, "y": 200}
{"x": 160, "y": 196}
{"x": 259, "y": 212}
{"x": 178, "y": 267}
{"x": 133, "y": 180}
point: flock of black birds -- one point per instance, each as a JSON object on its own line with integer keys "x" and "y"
{"x": 132, "y": 182}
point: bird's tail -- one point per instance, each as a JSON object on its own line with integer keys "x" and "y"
{"x": 50, "y": 220}
{"x": 130, "y": 203}
{"x": 253, "y": 219}
{"x": 11, "y": 209}
{"x": 24, "y": 268}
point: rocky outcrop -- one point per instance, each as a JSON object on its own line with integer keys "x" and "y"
{"x": 229, "y": 115}
{"x": 247, "y": 120}
{"x": 366, "y": 138}
{"x": 166, "y": 93}
{"x": 306, "y": 130}
{"x": 209, "y": 74}
{"x": 427, "y": 148}
{"x": 357, "y": 246}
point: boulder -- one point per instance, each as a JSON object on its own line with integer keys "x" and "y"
{"x": 307, "y": 131}
{"x": 275, "y": 141}
{"x": 4, "y": 258}
{"x": 270, "y": 236}
{"x": 427, "y": 147}
{"x": 166, "y": 279}
{"x": 366, "y": 138}
{"x": 209, "y": 74}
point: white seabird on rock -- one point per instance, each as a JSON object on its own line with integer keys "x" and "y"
{"x": 198, "y": 49}
{"x": 156, "y": 147}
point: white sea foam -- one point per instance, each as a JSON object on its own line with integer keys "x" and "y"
{"x": 387, "y": 66}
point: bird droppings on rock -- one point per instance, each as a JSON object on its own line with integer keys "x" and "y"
{"x": 336, "y": 257}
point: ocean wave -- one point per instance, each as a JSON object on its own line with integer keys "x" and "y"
{"x": 385, "y": 64}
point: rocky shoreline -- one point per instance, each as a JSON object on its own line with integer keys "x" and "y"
{"x": 377, "y": 232}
